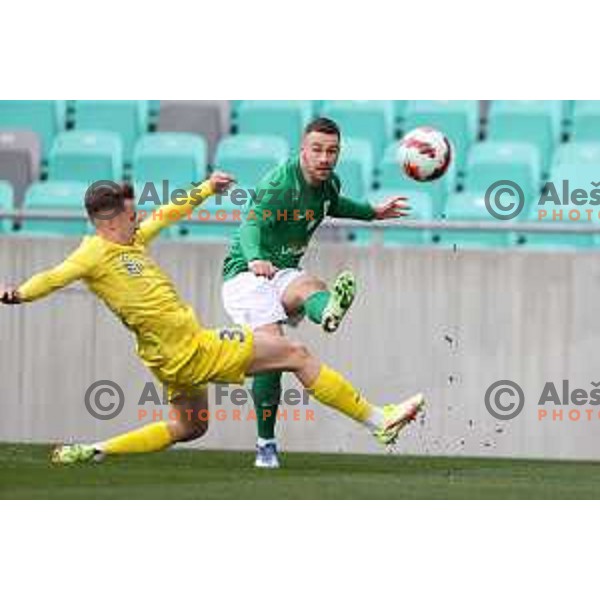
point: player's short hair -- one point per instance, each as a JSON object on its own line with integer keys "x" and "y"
{"x": 107, "y": 196}
{"x": 323, "y": 125}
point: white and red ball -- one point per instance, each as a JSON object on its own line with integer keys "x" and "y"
{"x": 424, "y": 154}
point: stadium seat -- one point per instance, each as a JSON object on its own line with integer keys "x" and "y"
{"x": 58, "y": 196}
{"x": 86, "y": 156}
{"x": 575, "y": 176}
{"x": 127, "y": 118}
{"x": 284, "y": 118}
{"x": 534, "y": 121}
{"x": 20, "y": 156}
{"x": 392, "y": 177}
{"x": 547, "y": 240}
{"x": 179, "y": 158}
{"x": 586, "y": 121}
{"x": 568, "y": 110}
{"x": 250, "y": 157}
{"x": 467, "y": 206}
{"x": 400, "y": 108}
{"x": 355, "y": 168}
{"x": 491, "y": 162}
{"x": 6, "y": 205}
{"x": 457, "y": 119}
{"x": 371, "y": 120}
{"x": 208, "y": 118}
{"x": 577, "y": 153}
{"x": 153, "y": 107}
{"x": 46, "y": 118}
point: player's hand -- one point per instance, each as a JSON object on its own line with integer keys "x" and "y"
{"x": 9, "y": 296}
{"x": 221, "y": 181}
{"x": 393, "y": 208}
{"x": 263, "y": 268}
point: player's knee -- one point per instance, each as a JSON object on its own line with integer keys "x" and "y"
{"x": 188, "y": 431}
{"x": 198, "y": 429}
{"x": 299, "y": 354}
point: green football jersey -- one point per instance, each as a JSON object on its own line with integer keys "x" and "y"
{"x": 282, "y": 215}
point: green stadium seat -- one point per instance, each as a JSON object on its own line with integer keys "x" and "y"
{"x": 568, "y": 110}
{"x": 6, "y": 205}
{"x": 58, "y": 196}
{"x": 468, "y": 206}
{"x": 578, "y": 176}
{"x": 179, "y": 158}
{"x": 490, "y": 162}
{"x": 534, "y": 121}
{"x": 154, "y": 107}
{"x": 371, "y": 120}
{"x": 250, "y": 157}
{"x": 391, "y": 176}
{"x": 457, "y": 119}
{"x": 46, "y": 118}
{"x": 586, "y": 121}
{"x": 400, "y": 110}
{"x": 284, "y": 118}
{"x": 547, "y": 240}
{"x": 86, "y": 156}
{"x": 127, "y": 118}
{"x": 210, "y": 227}
{"x": 577, "y": 153}
{"x": 355, "y": 168}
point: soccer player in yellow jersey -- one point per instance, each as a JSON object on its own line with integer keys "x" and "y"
{"x": 171, "y": 341}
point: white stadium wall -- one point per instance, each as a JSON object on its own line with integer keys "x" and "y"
{"x": 448, "y": 323}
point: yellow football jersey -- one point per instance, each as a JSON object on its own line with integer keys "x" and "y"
{"x": 133, "y": 287}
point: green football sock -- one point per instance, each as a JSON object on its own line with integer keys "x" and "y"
{"x": 315, "y": 304}
{"x": 266, "y": 392}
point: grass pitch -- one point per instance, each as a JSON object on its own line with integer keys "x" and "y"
{"x": 25, "y": 473}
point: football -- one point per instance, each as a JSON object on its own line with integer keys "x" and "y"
{"x": 425, "y": 154}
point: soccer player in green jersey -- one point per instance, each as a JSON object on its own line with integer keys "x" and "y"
{"x": 264, "y": 286}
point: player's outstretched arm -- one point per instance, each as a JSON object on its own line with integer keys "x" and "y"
{"x": 77, "y": 266}
{"x": 391, "y": 208}
{"x": 217, "y": 183}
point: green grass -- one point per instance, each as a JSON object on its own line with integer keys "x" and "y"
{"x": 25, "y": 473}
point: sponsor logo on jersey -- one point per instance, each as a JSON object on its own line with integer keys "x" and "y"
{"x": 133, "y": 265}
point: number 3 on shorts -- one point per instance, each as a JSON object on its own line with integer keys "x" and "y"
{"x": 232, "y": 334}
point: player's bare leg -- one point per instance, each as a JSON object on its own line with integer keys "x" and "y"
{"x": 328, "y": 307}
{"x": 330, "y": 388}
{"x": 190, "y": 416}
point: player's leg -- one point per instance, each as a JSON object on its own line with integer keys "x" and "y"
{"x": 331, "y": 388}
{"x": 326, "y": 307}
{"x": 255, "y": 302}
{"x": 188, "y": 420}
{"x": 266, "y": 394}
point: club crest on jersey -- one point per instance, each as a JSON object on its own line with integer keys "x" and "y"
{"x": 133, "y": 265}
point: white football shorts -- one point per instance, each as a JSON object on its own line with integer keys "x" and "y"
{"x": 255, "y": 301}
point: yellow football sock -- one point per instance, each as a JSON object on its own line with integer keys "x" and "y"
{"x": 332, "y": 389}
{"x": 150, "y": 438}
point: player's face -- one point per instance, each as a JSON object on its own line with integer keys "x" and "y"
{"x": 129, "y": 216}
{"x": 320, "y": 153}
{"x": 125, "y": 221}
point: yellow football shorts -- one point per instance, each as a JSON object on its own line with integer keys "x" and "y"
{"x": 221, "y": 356}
